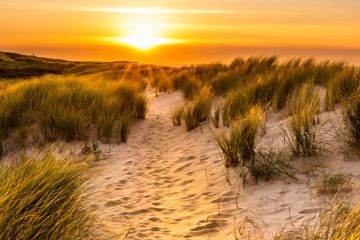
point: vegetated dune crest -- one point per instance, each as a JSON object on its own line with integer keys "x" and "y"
{"x": 167, "y": 183}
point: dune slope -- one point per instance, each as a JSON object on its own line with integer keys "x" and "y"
{"x": 166, "y": 183}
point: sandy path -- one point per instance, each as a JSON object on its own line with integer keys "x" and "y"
{"x": 167, "y": 183}
{"x": 158, "y": 182}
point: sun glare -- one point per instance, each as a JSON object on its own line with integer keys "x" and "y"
{"x": 143, "y": 40}
{"x": 144, "y": 33}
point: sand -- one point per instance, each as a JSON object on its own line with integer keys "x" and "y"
{"x": 167, "y": 183}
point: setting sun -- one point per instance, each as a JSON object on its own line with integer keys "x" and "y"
{"x": 144, "y": 31}
{"x": 143, "y": 40}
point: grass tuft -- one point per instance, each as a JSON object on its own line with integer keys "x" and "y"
{"x": 238, "y": 147}
{"x": 198, "y": 110}
{"x": 304, "y": 106}
{"x": 177, "y": 115}
{"x": 352, "y": 121}
{"x": 334, "y": 184}
{"x": 68, "y": 107}
{"x": 41, "y": 198}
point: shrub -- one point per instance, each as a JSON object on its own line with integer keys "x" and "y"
{"x": 42, "y": 198}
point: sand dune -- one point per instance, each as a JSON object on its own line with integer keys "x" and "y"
{"x": 166, "y": 183}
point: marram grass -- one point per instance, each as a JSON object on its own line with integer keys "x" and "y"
{"x": 42, "y": 198}
{"x": 238, "y": 146}
{"x": 65, "y": 107}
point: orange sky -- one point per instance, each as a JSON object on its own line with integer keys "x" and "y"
{"x": 187, "y": 31}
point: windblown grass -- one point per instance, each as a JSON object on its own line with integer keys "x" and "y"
{"x": 42, "y": 198}
{"x": 198, "y": 110}
{"x": 177, "y": 115}
{"x": 342, "y": 87}
{"x": 304, "y": 105}
{"x": 215, "y": 117}
{"x": 352, "y": 120}
{"x": 334, "y": 183}
{"x": 65, "y": 108}
{"x": 238, "y": 147}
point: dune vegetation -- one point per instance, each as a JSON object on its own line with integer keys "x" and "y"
{"x": 42, "y": 197}
{"x": 233, "y": 92}
{"x": 52, "y": 108}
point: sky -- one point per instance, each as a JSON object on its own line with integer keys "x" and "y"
{"x": 181, "y": 32}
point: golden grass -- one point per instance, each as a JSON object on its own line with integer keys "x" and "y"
{"x": 352, "y": 120}
{"x": 177, "y": 115}
{"x": 42, "y": 198}
{"x": 304, "y": 106}
{"x": 198, "y": 110}
{"x": 238, "y": 146}
{"x": 65, "y": 107}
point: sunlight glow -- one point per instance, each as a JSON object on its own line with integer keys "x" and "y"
{"x": 160, "y": 11}
{"x": 144, "y": 32}
{"x": 143, "y": 41}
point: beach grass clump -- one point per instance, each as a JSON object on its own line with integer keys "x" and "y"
{"x": 225, "y": 81}
{"x": 352, "y": 120}
{"x": 334, "y": 183}
{"x": 140, "y": 107}
{"x": 189, "y": 84}
{"x": 225, "y": 116}
{"x": 236, "y": 104}
{"x": 43, "y": 198}
{"x": 269, "y": 163}
{"x": 215, "y": 117}
{"x": 238, "y": 147}
{"x": 198, "y": 110}
{"x": 160, "y": 80}
{"x": 122, "y": 128}
{"x": 248, "y": 128}
{"x": 342, "y": 86}
{"x": 177, "y": 115}
{"x": 304, "y": 107}
{"x": 66, "y": 107}
{"x": 305, "y": 97}
{"x": 339, "y": 221}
